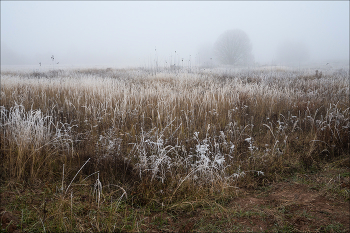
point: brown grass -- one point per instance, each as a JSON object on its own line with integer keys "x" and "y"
{"x": 164, "y": 138}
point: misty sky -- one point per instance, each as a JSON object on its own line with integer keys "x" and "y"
{"x": 120, "y": 33}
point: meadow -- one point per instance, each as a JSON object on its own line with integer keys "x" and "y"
{"x": 138, "y": 149}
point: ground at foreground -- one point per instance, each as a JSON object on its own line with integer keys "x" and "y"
{"x": 306, "y": 201}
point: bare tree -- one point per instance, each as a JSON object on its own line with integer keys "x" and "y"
{"x": 233, "y": 47}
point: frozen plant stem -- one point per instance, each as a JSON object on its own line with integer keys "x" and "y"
{"x": 62, "y": 188}
{"x": 77, "y": 174}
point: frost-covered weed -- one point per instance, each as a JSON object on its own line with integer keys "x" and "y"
{"x": 108, "y": 145}
{"x": 209, "y": 162}
{"x": 153, "y": 155}
{"x": 334, "y": 124}
{"x": 33, "y": 130}
{"x": 25, "y": 128}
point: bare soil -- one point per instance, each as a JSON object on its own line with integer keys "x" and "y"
{"x": 290, "y": 206}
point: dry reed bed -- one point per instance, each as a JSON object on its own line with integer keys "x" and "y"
{"x": 171, "y": 129}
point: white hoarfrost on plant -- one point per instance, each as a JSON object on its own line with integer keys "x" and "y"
{"x": 155, "y": 114}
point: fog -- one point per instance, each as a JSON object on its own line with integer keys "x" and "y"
{"x": 141, "y": 33}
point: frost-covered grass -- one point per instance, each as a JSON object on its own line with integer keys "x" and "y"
{"x": 172, "y": 131}
{"x": 109, "y": 146}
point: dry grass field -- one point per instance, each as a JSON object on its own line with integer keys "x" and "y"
{"x": 173, "y": 150}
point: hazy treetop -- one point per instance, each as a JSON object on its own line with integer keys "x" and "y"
{"x": 133, "y": 33}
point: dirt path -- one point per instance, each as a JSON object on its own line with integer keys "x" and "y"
{"x": 285, "y": 206}
{"x": 294, "y": 206}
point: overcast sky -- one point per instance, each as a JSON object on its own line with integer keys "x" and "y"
{"x": 133, "y": 33}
